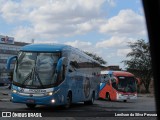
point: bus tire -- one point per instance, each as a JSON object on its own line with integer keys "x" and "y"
{"x": 124, "y": 100}
{"x": 31, "y": 106}
{"x": 69, "y": 100}
{"x": 108, "y": 96}
{"x": 90, "y": 102}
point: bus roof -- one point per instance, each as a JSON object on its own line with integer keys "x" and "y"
{"x": 43, "y": 47}
{"x": 122, "y": 73}
{"x": 52, "y": 48}
{"x": 117, "y": 73}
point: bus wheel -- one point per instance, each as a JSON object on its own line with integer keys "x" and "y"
{"x": 69, "y": 101}
{"x": 124, "y": 100}
{"x": 90, "y": 102}
{"x": 108, "y": 96}
{"x": 31, "y": 105}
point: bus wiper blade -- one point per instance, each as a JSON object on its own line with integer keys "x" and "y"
{"x": 38, "y": 78}
{"x": 29, "y": 75}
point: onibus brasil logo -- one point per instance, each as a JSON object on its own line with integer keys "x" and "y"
{"x": 17, "y": 114}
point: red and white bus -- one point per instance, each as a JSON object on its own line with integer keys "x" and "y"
{"x": 118, "y": 86}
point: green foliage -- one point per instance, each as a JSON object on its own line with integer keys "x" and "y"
{"x": 139, "y": 62}
{"x": 95, "y": 57}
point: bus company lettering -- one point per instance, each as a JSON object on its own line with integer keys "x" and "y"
{"x": 37, "y": 90}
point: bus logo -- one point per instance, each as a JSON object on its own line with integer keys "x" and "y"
{"x": 6, "y": 114}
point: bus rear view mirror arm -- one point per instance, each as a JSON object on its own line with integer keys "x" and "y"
{"x": 61, "y": 61}
{"x": 9, "y": 61}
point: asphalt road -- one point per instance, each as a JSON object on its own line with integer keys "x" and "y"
{"x": 101, "y": 109}
{"x": 143, "y": 103}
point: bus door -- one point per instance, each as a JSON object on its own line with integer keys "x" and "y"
{"x": 75, "y": 82}
{"x": 105, "y": 85}
{"x": 114, "y": 82}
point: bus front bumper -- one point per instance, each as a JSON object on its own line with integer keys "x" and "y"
{"x": 43, "y": 100}
{"x": 126, "y": 97}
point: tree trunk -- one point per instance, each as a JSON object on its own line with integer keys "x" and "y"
{"x": 147, "y": 88}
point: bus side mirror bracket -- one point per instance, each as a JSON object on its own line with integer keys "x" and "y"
{"x": 61, "y": 62}
{"x": 9, "y": 61}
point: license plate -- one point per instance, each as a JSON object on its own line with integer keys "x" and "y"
{"x": 30, "y": 101}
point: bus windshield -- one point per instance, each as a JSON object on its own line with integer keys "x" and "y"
{"x": 126, "y": 84}
{"x": 36, "y": 69}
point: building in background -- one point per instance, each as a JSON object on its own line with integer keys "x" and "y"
{"x": 112, "y": 67}
{"x": 8, "y": 48}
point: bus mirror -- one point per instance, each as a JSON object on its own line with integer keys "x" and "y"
{"x": 61, "y": 62}
{"x": 9, "y": 61}
{"x": 114, "y": 80}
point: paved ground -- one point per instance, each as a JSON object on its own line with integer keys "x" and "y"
{"x": 5, "y": 93}
{"x": 145, "y": 102}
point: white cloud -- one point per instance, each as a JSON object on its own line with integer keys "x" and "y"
{"x": 115, "y": 41}
{"x": 46, "y": 20}
{"x": 126, "y": 23}
{"x": 84, "y": 27}
{"x": 54, "y": 17}
{"x": 123, "y": 52}
{"x": 115, "y": 49}
{"x": 86, "y": 46}
{"x": 111, "y": 55}
{"x": 26, "y": 34}
{"x": 78, "y": 43}
{"x": 9, "y": 11}
{"x": 59, "y": 18}
{"x": 81, "y": 45}
{"x": 112, "y": 3}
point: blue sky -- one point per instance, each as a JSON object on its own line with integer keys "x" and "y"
{"x": 99, "y": 26}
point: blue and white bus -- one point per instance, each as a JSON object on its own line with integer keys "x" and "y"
{"x": 54, "y": 75}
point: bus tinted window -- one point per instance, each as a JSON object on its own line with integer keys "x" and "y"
{"x": 127, "y": 84}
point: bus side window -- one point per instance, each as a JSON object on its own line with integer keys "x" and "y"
{"x": 70, "y": 70}
{"x": 73, "y": 66}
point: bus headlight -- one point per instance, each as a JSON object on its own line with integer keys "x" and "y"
{"x": 119, "y": 94}
{"x": 53, "y": 101}
{"x": 50, "y": 93}
{"x": 14, "y": 91}
{"x": 53, "y": 92}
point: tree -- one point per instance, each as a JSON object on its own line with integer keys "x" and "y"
{"x": 95, "y": 57}
{"x": 139, "y": 62}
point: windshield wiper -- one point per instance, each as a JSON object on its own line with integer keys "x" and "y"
{"x": 36, "y": 74}
{"x": 31, "y": 75}
{"x": 27, "y": 78}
